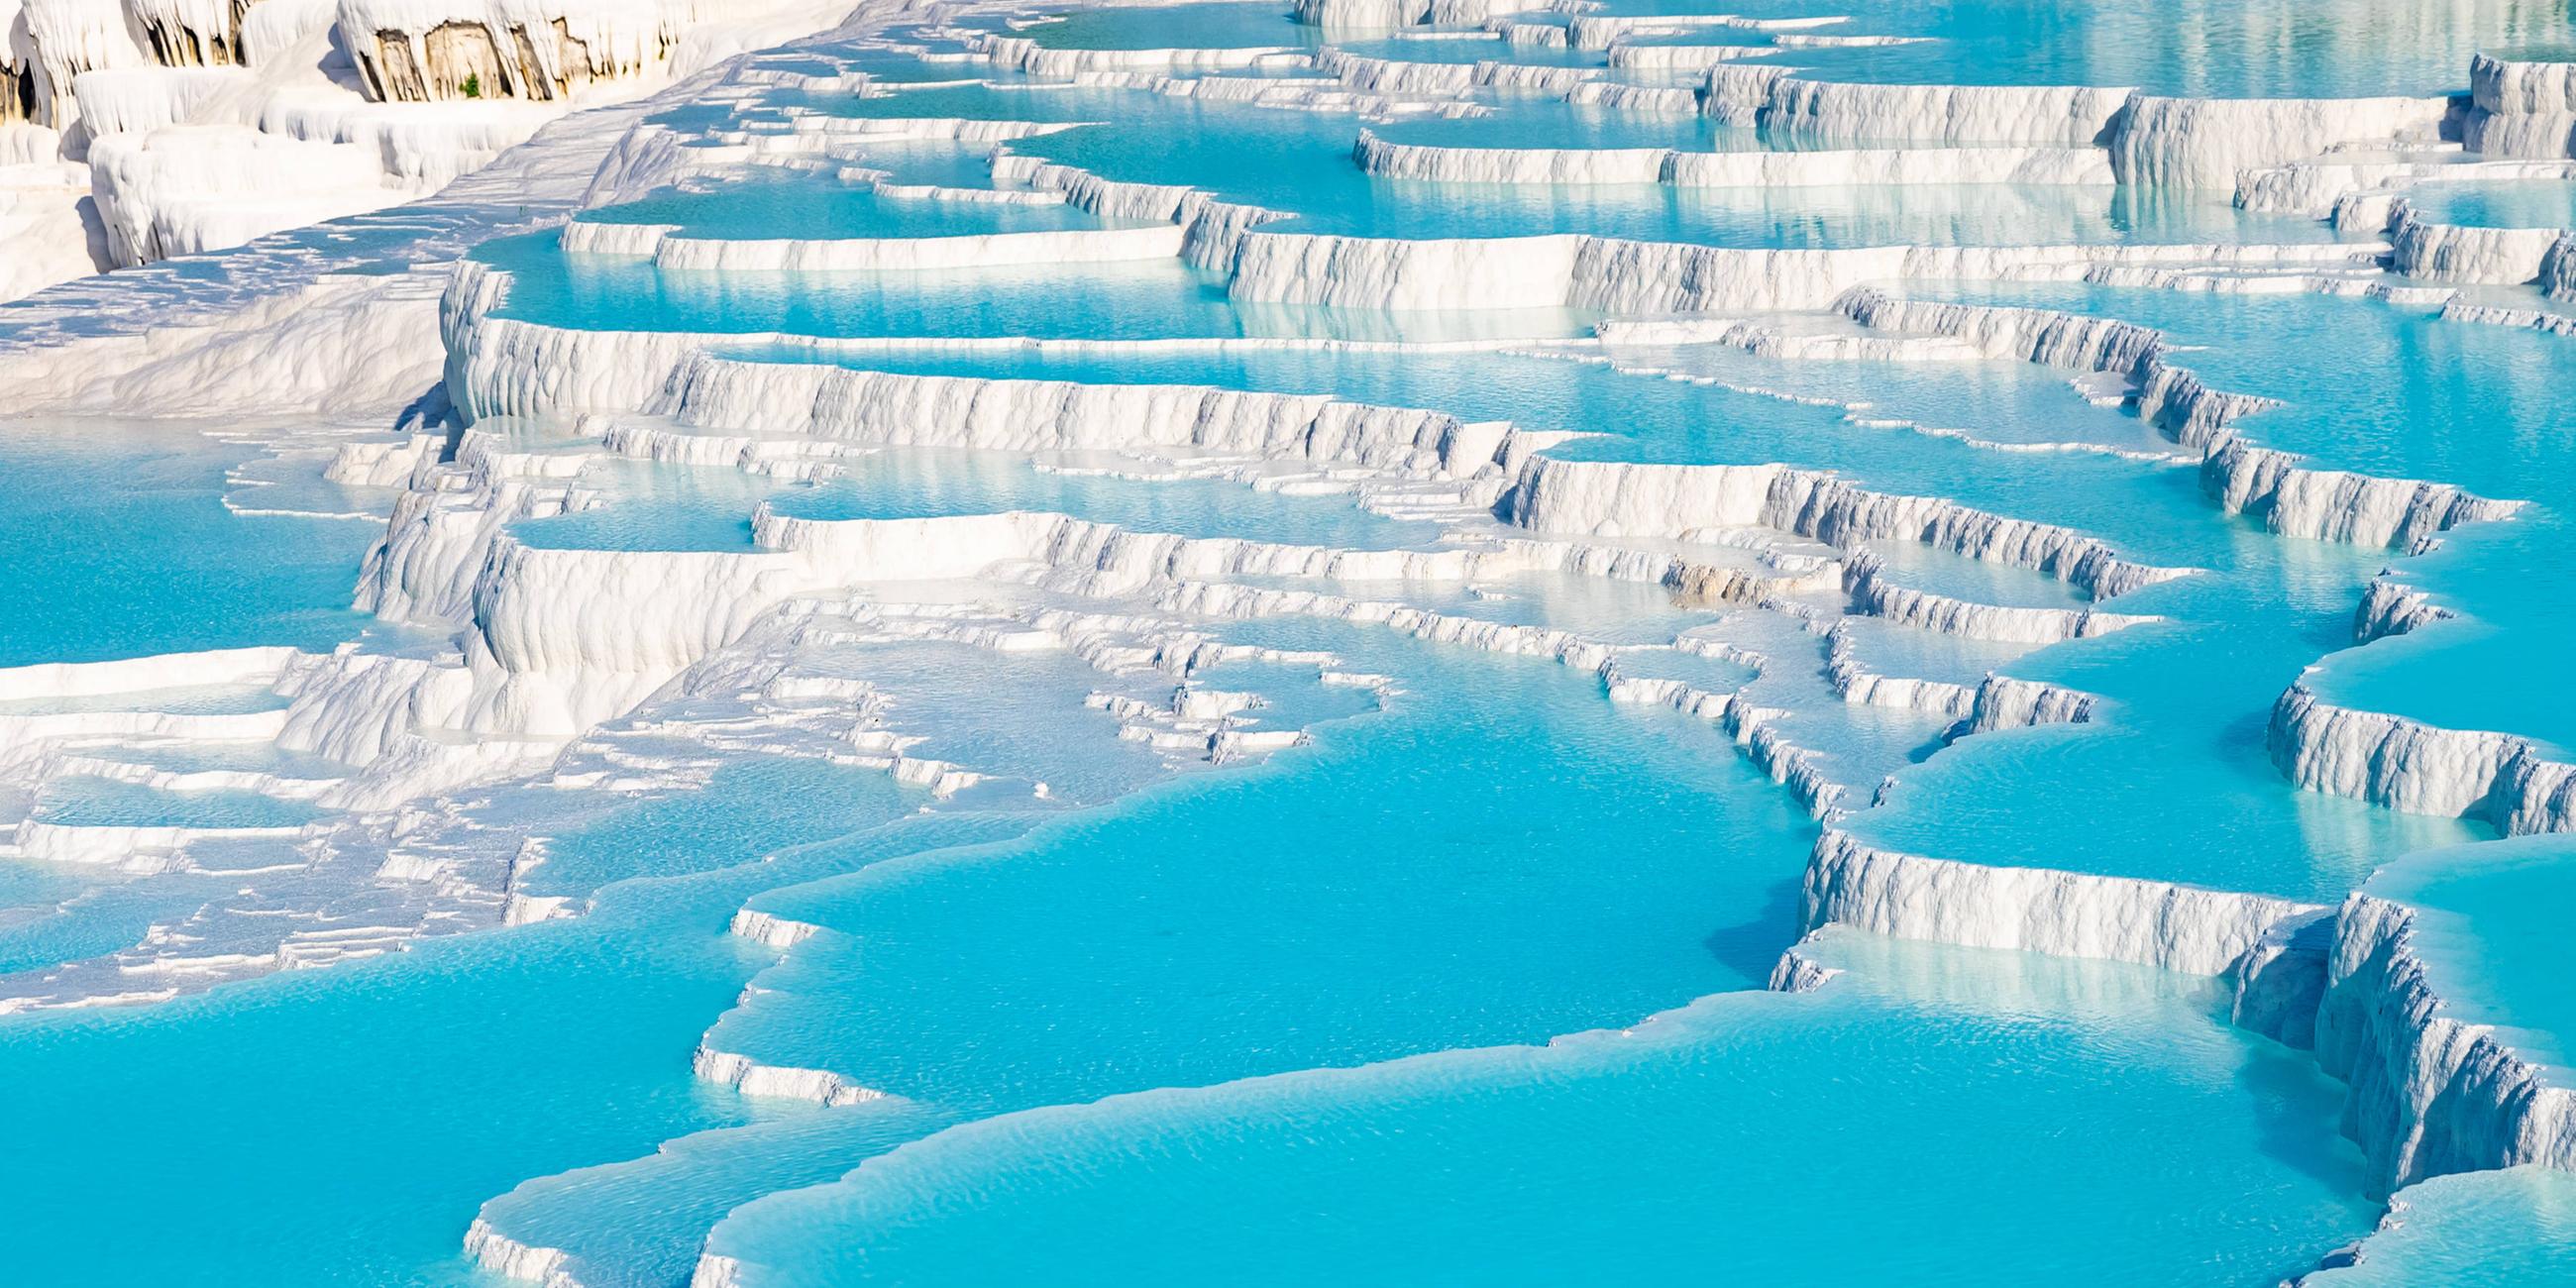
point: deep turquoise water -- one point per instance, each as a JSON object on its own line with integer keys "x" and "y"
{"x": 393, "y": 1096}
{"x": 1749, "y": 1131}
{"x": 1235, "y": 928}
{"x": 642, "y": 1221}
{"x": 2103, "y": 797}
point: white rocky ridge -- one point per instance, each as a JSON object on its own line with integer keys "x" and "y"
{"x": 1391, "y": 76}
{"x": 2281, "y": 980}
{"x": 2177, "y": 927}
{"x": 2521, "y": 108}
{"x": 1852, "y": 679}
{"x": 2391, "y": 607}
{"x": 2212, "y": 143}
{"x": 2431, "y": 1094}
{"x": 2460, "y": 253}
{"x": 2501, "y": 779}
{"x": 671, "y": 375}
{"x": 459, "y": 884}
{"x": 1947, "y": 115}
{"x": 2293, "y": 499}
{"x": 510, "y": 1259}
{"x": 1616, "y": 275}
{"x": 1852, "y": 167}
{"x": 1379, "y": 14}
{"x": 2356, "y": 190}
{"x": 1608, "y": 274}
{"x": 668, "y": 250}
{"x": 2162, "y": 141}
{"x": 2548, "y": 321}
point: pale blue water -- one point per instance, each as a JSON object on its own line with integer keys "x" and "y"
{"x": 2512, "y": 1226}
{"x": 918, "y": 484}
{"x": 2007, "y": 403}
{"x": 1612, "y": 612}
{"x": 1144, "y": 299}
{"x": 1403, "y": 49}
{"x": 100, "y": 802}
{"x": 1291, "y": 696}
{"x": 1525, "y": 122}
{"x": 1714, "y": 674}
{"x": 2485, "y": 929}
{"x": 119, "y": 545}
{"x": 1301, "y": 162}
{"x": 55, "y": 917}
{"x": 2378, "y": 388}
{"x": 2397, "y": 393}
{"x": 197, "y": 700}
{"x": 994, "y": 95}
{"x": 1127, "y": 300}
{"x": 1914, "y": 564}
{"x": 1227, "y": 24}
{"x": 664, "y": 835}
{"x": 904, "y": 64}
{"x": 2530, "y": 203}
{"x": 2208, "y": 48}
{"x": 818, "y": 206}
{"x": 645, "y": 506}
{"x": 940, "y": 162}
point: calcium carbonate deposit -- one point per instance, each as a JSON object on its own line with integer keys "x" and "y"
{"x": 673, "y": 643}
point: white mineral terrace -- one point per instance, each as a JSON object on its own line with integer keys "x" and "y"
{"x": 1886, "y": 505}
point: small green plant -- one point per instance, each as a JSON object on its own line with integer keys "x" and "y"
{"x": 473, "y": 85}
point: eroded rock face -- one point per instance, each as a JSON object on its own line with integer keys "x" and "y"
{"x": 17, "y": 94}
{"x": 447, "y": 52}
{"x": 2521, "y": 109}
{"x": 194, "y": 33}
